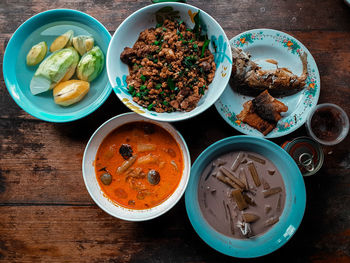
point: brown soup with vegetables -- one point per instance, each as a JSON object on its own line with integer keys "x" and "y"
{"x": 241, "y": 194}
{"x": 139, "y": 165}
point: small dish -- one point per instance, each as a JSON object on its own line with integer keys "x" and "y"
{"x": 47, "y": 26}
{"x": 265, "y": 44}
{"x": 127, "y": 34}
{"x": 291, "y": 216}
{"x": 93, "y": 186}
{"x": 333, "y": 119}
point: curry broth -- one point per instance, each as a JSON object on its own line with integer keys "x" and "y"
{"x": 154, "y": 149}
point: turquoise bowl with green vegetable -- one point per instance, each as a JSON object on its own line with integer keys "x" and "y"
{"x": 148, "y": 17}
{"x": 47, "y": 26}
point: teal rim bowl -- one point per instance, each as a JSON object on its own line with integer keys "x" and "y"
{"x": 292, "y": 213}
{"x": 46, "y": 26}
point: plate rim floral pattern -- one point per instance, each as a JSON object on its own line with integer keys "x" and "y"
{"x": 310, "y": 94}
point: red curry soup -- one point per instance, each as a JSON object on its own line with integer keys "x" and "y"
{"x": 139, "y": 165}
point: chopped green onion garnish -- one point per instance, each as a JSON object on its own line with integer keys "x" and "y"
{"x": 201, "y": 90}
{"x": 197, "y": 26}
{"x": 179, "y": 34}
{"x": 150, "y": 106}
{"x": 143, "y": 78}
{"x": 158, "y": 86}
{"x": 165, "y": 103}
{"x": 164, "y": 29}
{"x": 205, "y": 46}
{"x": 171, "y": 84}
{"x": 143, "y": 87}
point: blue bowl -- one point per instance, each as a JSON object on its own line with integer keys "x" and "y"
{"x": 47, "y": 26}
{"x": 292, "y": 214}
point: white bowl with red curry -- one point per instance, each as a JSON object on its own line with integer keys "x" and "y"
{"x": 136, "y": 169}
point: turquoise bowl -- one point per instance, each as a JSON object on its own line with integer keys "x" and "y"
{"x": 292, "y": 214}
{"x": 47, "y": 26}
{"x": 127, "y": 34}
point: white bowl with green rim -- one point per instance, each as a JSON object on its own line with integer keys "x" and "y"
{"x": 127, "y": 34}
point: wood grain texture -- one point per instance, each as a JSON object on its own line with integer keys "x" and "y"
{"x": 46, "y": 214}
{"x": 87, "y": 234}
{"x": 234, "y": 16}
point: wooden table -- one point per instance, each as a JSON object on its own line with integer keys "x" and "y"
{"x": 46, "y": 213}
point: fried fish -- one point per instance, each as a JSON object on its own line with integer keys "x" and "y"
{"x": 249, "y": 79}
{"x": 268, "y": 108}
{"x": 262, "y": 113}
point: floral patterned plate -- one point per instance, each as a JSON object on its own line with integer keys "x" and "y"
{"x": 265, "y": 44}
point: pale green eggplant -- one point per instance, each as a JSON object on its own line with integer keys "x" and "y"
{"x": 91, "y": 64}
{"x": 83, "y": 44}
{"x": 59, "y": 65}
{"x": 36, "y": 54}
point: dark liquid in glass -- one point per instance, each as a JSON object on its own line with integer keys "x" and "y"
{"x": 326, "y": 124}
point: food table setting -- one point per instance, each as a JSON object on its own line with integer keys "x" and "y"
{"x": 206, "y": 131}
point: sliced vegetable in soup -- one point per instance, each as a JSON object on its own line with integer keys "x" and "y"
{"x": 139, "y": 165}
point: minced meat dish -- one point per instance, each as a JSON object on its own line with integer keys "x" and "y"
{"x": 170, "y": 67}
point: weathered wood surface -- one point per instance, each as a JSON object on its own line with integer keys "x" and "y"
{"x": 46, "y": 213}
